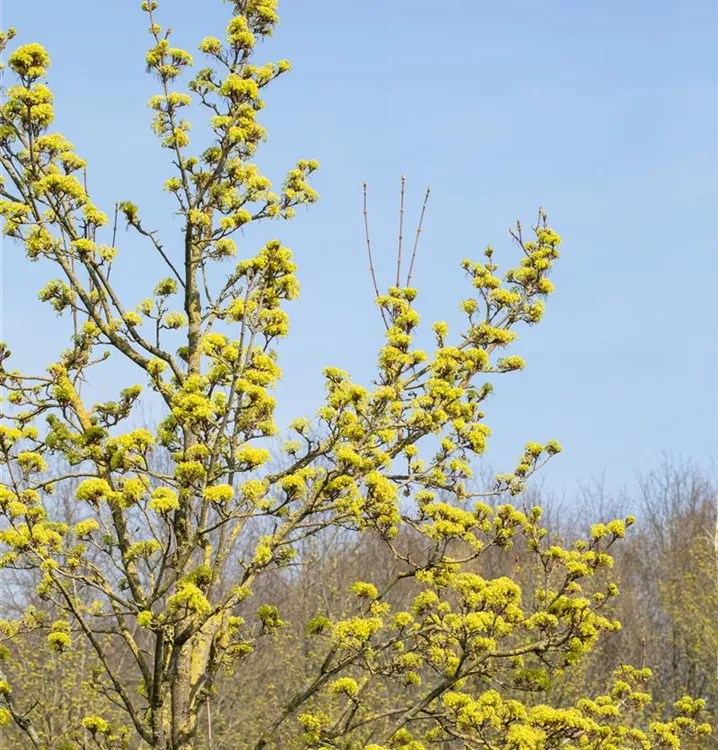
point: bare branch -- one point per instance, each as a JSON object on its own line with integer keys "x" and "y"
{"x": 401, "y": 231}
{"x": 419, "y": 230}
{"x": 371, "y": 260}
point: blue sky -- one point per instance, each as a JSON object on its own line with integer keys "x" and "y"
{"x": 603, "y": 113}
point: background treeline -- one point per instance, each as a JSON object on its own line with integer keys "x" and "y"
{"x": 667, "y": 570}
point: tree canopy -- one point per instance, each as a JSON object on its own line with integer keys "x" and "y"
{"x": 151, "y": 550}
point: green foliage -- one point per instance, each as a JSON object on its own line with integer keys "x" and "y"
{"x": 186, "y": 526}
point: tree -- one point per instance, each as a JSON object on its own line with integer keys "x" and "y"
{"x": 186, "y": 525}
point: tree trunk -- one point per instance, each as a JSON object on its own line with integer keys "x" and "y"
{"x": 188, "y": 674}
{"x": 184, "y": 713}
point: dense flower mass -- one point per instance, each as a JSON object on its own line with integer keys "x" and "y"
{"x": 175, "y": 530}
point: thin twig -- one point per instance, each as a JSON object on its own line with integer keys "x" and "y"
{"x": 419, "y": 230}
{"x": 401, "y": 231}
{"x": 160, "y": 249}
{"x": 371, "y": 261}
{"x": 114, "y": 235}
{"x": 75, "y": 326}
{"x": 114, "y": 226}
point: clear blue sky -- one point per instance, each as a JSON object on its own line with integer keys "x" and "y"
{"x": 604, "y": 113}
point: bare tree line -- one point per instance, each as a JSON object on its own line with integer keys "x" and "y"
{"x": 668, "y": 606}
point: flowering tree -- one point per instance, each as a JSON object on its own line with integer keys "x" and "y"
{"x": 161, "y": 570}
